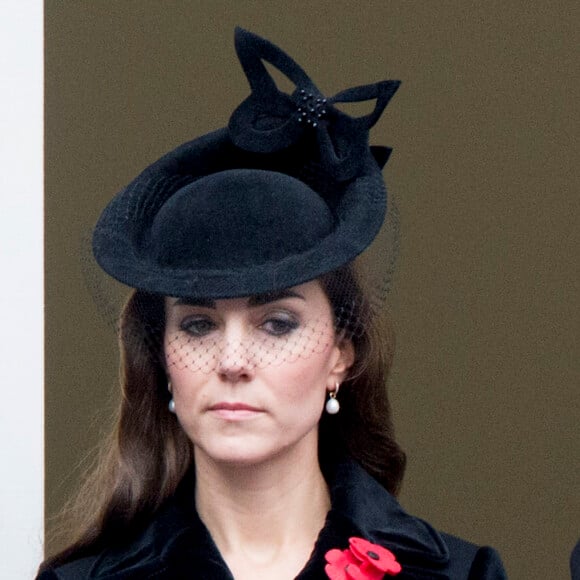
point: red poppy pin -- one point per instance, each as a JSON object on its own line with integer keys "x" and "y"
{"x": 361, "y": 561}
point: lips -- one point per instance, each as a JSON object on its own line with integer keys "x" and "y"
{"x": 224, "y": 406}
{"x": 234, "y": 412}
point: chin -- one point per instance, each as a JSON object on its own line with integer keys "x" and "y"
{"x": 239, "y": 458}
{"x": 245, "y": 449}
{"x": 241, "y": 451}
{"x": 245, "y": 453}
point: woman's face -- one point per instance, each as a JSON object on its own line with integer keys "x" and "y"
{"x": 249, "y": 376}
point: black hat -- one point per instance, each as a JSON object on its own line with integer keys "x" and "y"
{"x": 289, "y": 191}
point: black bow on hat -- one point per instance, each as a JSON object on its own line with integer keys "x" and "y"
{"x": 270, "y": 120}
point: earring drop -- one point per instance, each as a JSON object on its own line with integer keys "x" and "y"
{"x": 332, "y": 405}
{"x": 171, "y": 405}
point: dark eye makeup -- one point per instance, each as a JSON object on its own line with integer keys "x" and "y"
{"x": 280, "y": 325}
{"x": 197, "y": 326}
{"x": 274, "y": 324}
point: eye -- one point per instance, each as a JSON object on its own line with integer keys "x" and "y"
{"x": 197, "y": 326}
{"x": 279, "y": 325}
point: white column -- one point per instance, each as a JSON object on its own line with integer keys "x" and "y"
{"x": 21, "y": 288}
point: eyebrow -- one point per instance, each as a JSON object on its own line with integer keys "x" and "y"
{"x": 266, "y": 298}
{"x": 202, "y": 302}
{"x": 253, "y": 301}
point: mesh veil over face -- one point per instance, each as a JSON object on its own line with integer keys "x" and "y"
{"x": 356, "y": 294}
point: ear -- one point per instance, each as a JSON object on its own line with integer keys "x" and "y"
{"x": 343, "y": 362}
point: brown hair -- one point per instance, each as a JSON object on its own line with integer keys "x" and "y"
{"x": 363, "y": 429}
{"x": 148, "y": 453}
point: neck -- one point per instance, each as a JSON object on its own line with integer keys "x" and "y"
{"x": 258, "y": 512}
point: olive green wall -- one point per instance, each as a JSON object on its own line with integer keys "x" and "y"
{"x": 486, "y": 299}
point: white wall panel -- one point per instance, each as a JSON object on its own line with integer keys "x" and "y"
{"x": 21, "y": 287}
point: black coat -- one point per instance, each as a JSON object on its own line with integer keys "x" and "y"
{"x": 176, "y": 545}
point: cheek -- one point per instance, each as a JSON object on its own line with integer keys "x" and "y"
{"x": 305, "y": 379}
{"x": 186, "y": 385}
{"x": 171, "y": 350}
{"x": 177, "y": 352}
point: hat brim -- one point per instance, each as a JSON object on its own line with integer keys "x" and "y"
{"x": 359, "y": 209}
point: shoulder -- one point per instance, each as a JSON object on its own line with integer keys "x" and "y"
{"x": 70, "y": 571}
{"x": 367, "y": 510}
{"x": 143, "y": 554}
{"x": 467, "y": 560}
{"x": 575, "y": 562}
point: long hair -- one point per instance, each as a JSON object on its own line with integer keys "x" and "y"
{"x": 148, "y": 453}
{"x": 364, "y": 428}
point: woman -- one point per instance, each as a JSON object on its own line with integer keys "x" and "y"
{"x": 254, "y": 438}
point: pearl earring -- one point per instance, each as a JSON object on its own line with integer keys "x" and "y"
{"x": 332, "y": 405}
{"x": 171, "y": 405}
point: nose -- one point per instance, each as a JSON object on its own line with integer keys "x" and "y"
{"x": 235, "y": 359}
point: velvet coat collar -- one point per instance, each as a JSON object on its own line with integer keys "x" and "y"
{"x": 177, "y": 545}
